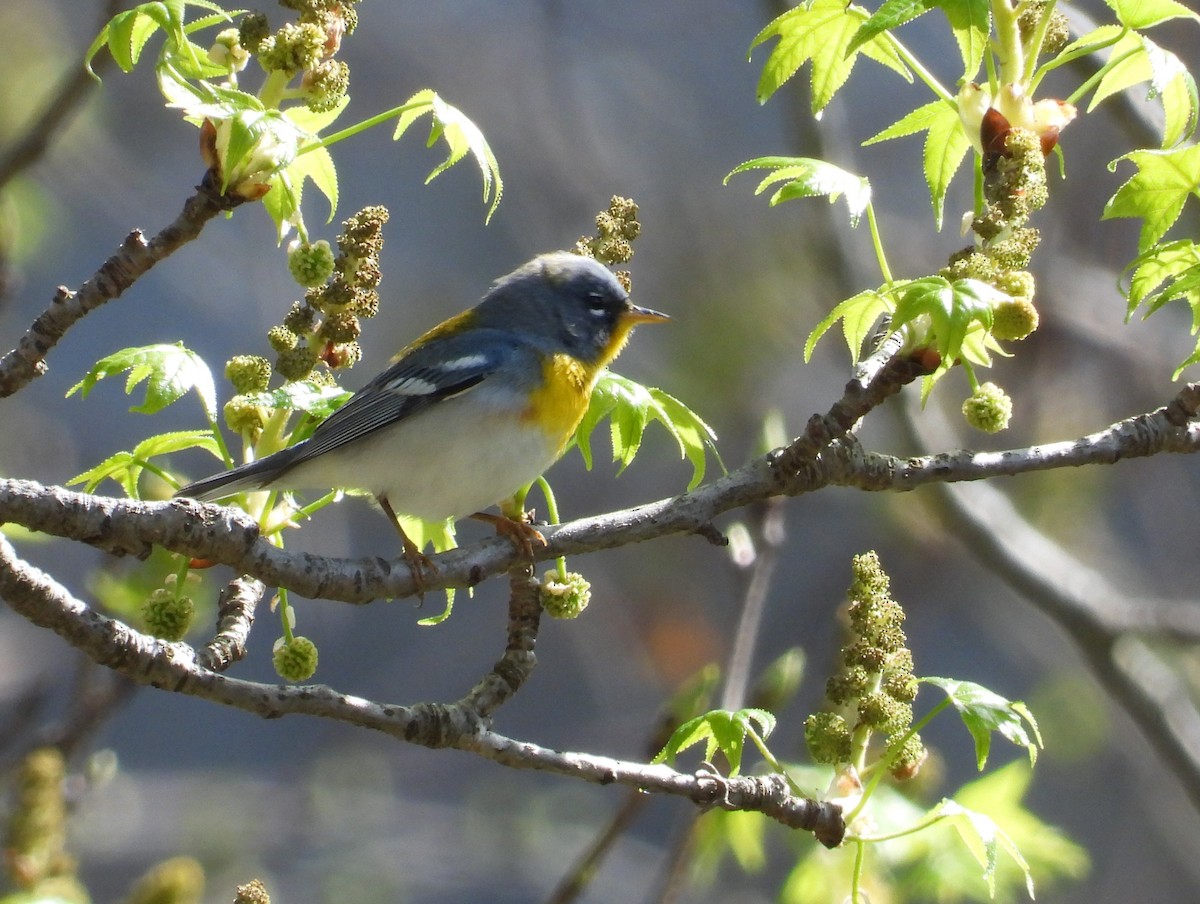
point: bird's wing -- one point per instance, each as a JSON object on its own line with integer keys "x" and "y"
{"x": 444, "y": 367}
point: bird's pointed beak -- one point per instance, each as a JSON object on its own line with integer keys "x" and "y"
{"x": 634, "y": 314}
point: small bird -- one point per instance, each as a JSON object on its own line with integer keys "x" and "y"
{"x": 472, "y": 411}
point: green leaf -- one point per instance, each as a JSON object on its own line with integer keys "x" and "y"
{"x": 821, "y": 31}
{"x": 1146, "y": 13}
{"x": 951, "y": 308}
{"x": 983, "y": 712}
{"x": 1169, "y": 272}
{"x": 971, "y": 23}
{"x": 125, "y": 468}
{"x": 461, "y": 135}
{"x": 125, "y": 35}
{"x": 631, "y": 407}
{"x": 858, "y": 314}
{"x": 1136, "y": 59}
{"x": 891, "y": 14}
{"x": 169, "y": 372}
{"x": 723, "y": 730}
{"x": 1157, "y": 192}
{"x": 946, "y": 145}
{"x": 807, "y": 177}
{"x": 984, "y": 839}
{"x": 441, "y": 535}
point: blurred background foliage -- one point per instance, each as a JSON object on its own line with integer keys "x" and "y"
{"x": 580, "y": 102}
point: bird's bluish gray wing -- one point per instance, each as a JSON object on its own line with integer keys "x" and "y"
{"x": 440, "y": 369}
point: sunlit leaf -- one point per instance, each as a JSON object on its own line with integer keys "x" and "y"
{"x": 1156, "y": 193}
{"x": 460, "y": 134}
{"x": 169, "y": 372}
{"x": 807, "y": 177}
{"x": 984, "y": 711}
{"x": 821, "y": 32}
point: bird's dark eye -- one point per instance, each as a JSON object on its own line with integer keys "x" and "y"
{"x": 597, "y": 303}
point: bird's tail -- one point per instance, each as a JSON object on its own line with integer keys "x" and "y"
{"x": 255, "y": 475}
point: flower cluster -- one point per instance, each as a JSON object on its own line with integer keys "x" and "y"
{"x": 616, "y": 228}
{"x": 873, "y": 689}
{"x": 244, "y": 149}
{"x": 167, "y": 615}
{"x": 341, "y": 289}
{"x": 564, "y": 597}
{"x": 295, "y": 659}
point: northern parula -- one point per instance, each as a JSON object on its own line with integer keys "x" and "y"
{"x": 473, "y": 410}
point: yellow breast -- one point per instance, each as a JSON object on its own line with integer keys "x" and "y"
{"x": 559, "y": 404}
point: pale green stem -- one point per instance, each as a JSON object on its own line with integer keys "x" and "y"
{"x": 274, "y": 87}
{"x": 1034, "y": 50}
{"x": 860, "y": 856}
{"x": 885, "y": 763}
{"x": 1091, "y": 83}
{"x": 901, "y": 833}
{"x": 552, "y": 517}
{"x": 1065, "y": 58}
{"x": 919, "y": 68}
{"x": 283, "y": 613}
{"x": 1008, "y": 34}
{"x": 353, "y": 130}
{"x": 877, "y": 241}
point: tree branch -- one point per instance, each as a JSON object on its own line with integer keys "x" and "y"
{"x": 173, "y": 666}
{"x": 135, "y": 257}
{"x": 230, "y": 537}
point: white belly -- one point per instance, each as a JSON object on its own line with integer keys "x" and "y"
{"x": 423, "y": 474}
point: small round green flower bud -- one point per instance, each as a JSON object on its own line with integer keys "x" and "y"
{"x": 828, "y": 737}
{"x": 252, "y": 30}
{"x": 846, "y": 686}
{"x": 335, "y": 295}
{"x": 362, "y": 233}
{"x": 1058, "y": 33}
{"x": 300, "y": 319}
{"x": 297, "y": 363}
{"x": 366, "y": 302}
{"x": 1017, "y": 283}
{"x": 227, "y": 51}
{"x": 876, "y": 709}
{"x": 564, "y": 598}
{"x": 1014, "y": 252}
{"x": 248, "y": 373}
{"x": 340, "y": 327}
{"x": 295, "y": 659}
{"x": 607, "y": 224}
{"x": 989, "y": 409}
{"x": 311, "y": 265}
{"x": 908, "y": 762}
{"x": 296, "y": 46}
{"x": 166, "y": 616}
{"x": 1014, "y": 319}
{"x": 900, "y": 686}
{"x": 868, "y": 656}
{"x": 325, "y": 85}
{"x": 244, "y": 416}
{"x": 281, "y": 338}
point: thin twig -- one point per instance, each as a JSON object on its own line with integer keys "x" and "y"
{"x": 134, "y": 259}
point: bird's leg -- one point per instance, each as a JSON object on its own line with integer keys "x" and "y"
{"x": 418, "y": 563}
{"x": 523, "y": 535}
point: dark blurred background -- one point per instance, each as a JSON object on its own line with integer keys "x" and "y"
{"x": 655, "y": 101}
